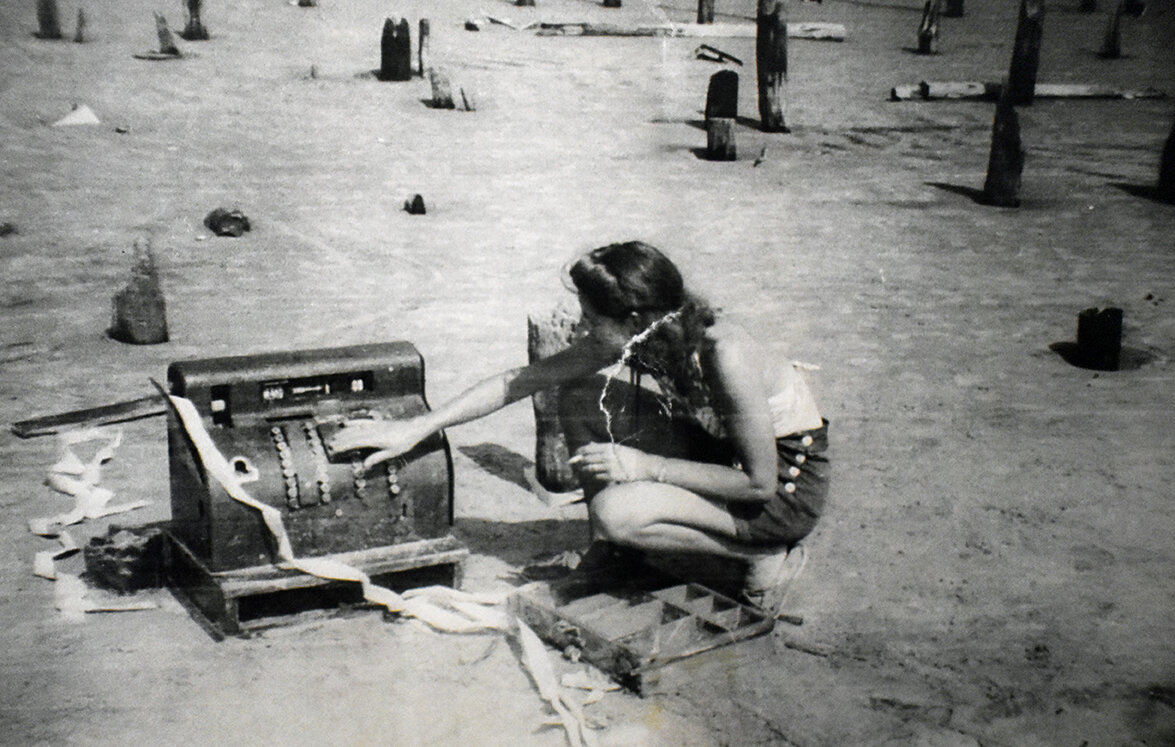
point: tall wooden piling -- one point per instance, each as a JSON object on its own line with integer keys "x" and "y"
{"x": 79, "y": 35}
{"x": 139, "y": 310}
{"x": 422, "y": 46}
{"x": 1005, "y": 164}
{"x": 1166, "y": 190}
{"x": 1026, "y": 52}
{"x": 395, "y": 62}
{"x": 48, "y": 22}
{"x": 928, "y": 28}
{"x": 194, "y": 30}
{"x": 1112, "y": 40}
{"x": 705, "y": 11}
{"x": 771, "y": 64}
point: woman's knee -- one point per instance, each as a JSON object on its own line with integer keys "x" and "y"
{"x": 615, "y": 516}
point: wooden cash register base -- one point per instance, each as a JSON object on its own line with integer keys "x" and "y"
{"x": 243, "y": 601}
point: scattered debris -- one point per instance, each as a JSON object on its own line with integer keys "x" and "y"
{"x": 224, "y": 222}
{"x": 127, "y": 559}
{"x": 81, "y": 115}
{"x": 415, "y": 206}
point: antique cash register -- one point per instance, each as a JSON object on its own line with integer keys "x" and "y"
{"x": 271, "y": 417}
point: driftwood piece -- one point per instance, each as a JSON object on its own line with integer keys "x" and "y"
{"x": 720, "y": 145}
{"x": 547, "y": 334}
{"x": 1166, "y": 188}
{"x": 722, "y": 95}
{"x": 395, "y": 61}
{"x": 715, "y": 54}
{"x": 48, "y": 21}
{"x": 771, "y": 65}
{"x": 804, "y": 30}
{"x": 928, "y": 28}
{"x": 934, "y": 90}
{"x": 442, "y": 95}
{"x": 140, "y": 313}
{"x": 1006, "y": 161}
{"x": 1026, "y": 52}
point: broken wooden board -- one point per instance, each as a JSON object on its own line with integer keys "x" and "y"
{"x": 637, "y": 627}
{"x": 811, "y": 30}
{"x": 990, "y": 91}
{"x": 244, "y": 601}
{"x": 120, "y": 412}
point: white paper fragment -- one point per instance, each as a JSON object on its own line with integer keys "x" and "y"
{"x": 81, "y": 115}
{"x": 538, "y": 664}
{"x": 43, "y": 565}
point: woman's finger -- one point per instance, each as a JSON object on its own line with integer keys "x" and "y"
{"x": 377, "y": 458}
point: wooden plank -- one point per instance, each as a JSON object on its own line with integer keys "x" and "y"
{"x": 143, "y": 407}
{"x": 807, "y": 30}
{"x": 934, "y": 90}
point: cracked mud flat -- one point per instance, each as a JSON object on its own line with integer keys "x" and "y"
{"x": 995, "y": 566}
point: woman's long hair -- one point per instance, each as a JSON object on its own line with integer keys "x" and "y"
{"x": 633, "y": 277}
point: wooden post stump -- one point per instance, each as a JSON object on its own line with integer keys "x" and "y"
{"x": 442, "y": 95}
{"x": 1112, "y": 41}
{"x": 79, "y": 35}
{"x": 194, "y": 30}
{"x": 771, "y": 64}
{"x": 48, "y": 22}
{"x": 720, "y": 139}
{"x": 1166, "y": 190}
{"x": 1099, "y": 338}
{"x": 422, "y": 46}
{"x": 395, "y": 61}
{"x": 705, "y": 11}
{"x": 722, "y": 95}
{"x": 1006, "y": 162}
{"x": 1026, "y": 52}
{"x": 953, "y": 9}
{"x": 166, "y": 43}
{"x": 928, "y": 28}
{"x": 140, "y": 314}
{"x": 547, "y": 334}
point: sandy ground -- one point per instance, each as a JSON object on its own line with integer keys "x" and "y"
{"x": 996, "y": 564}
